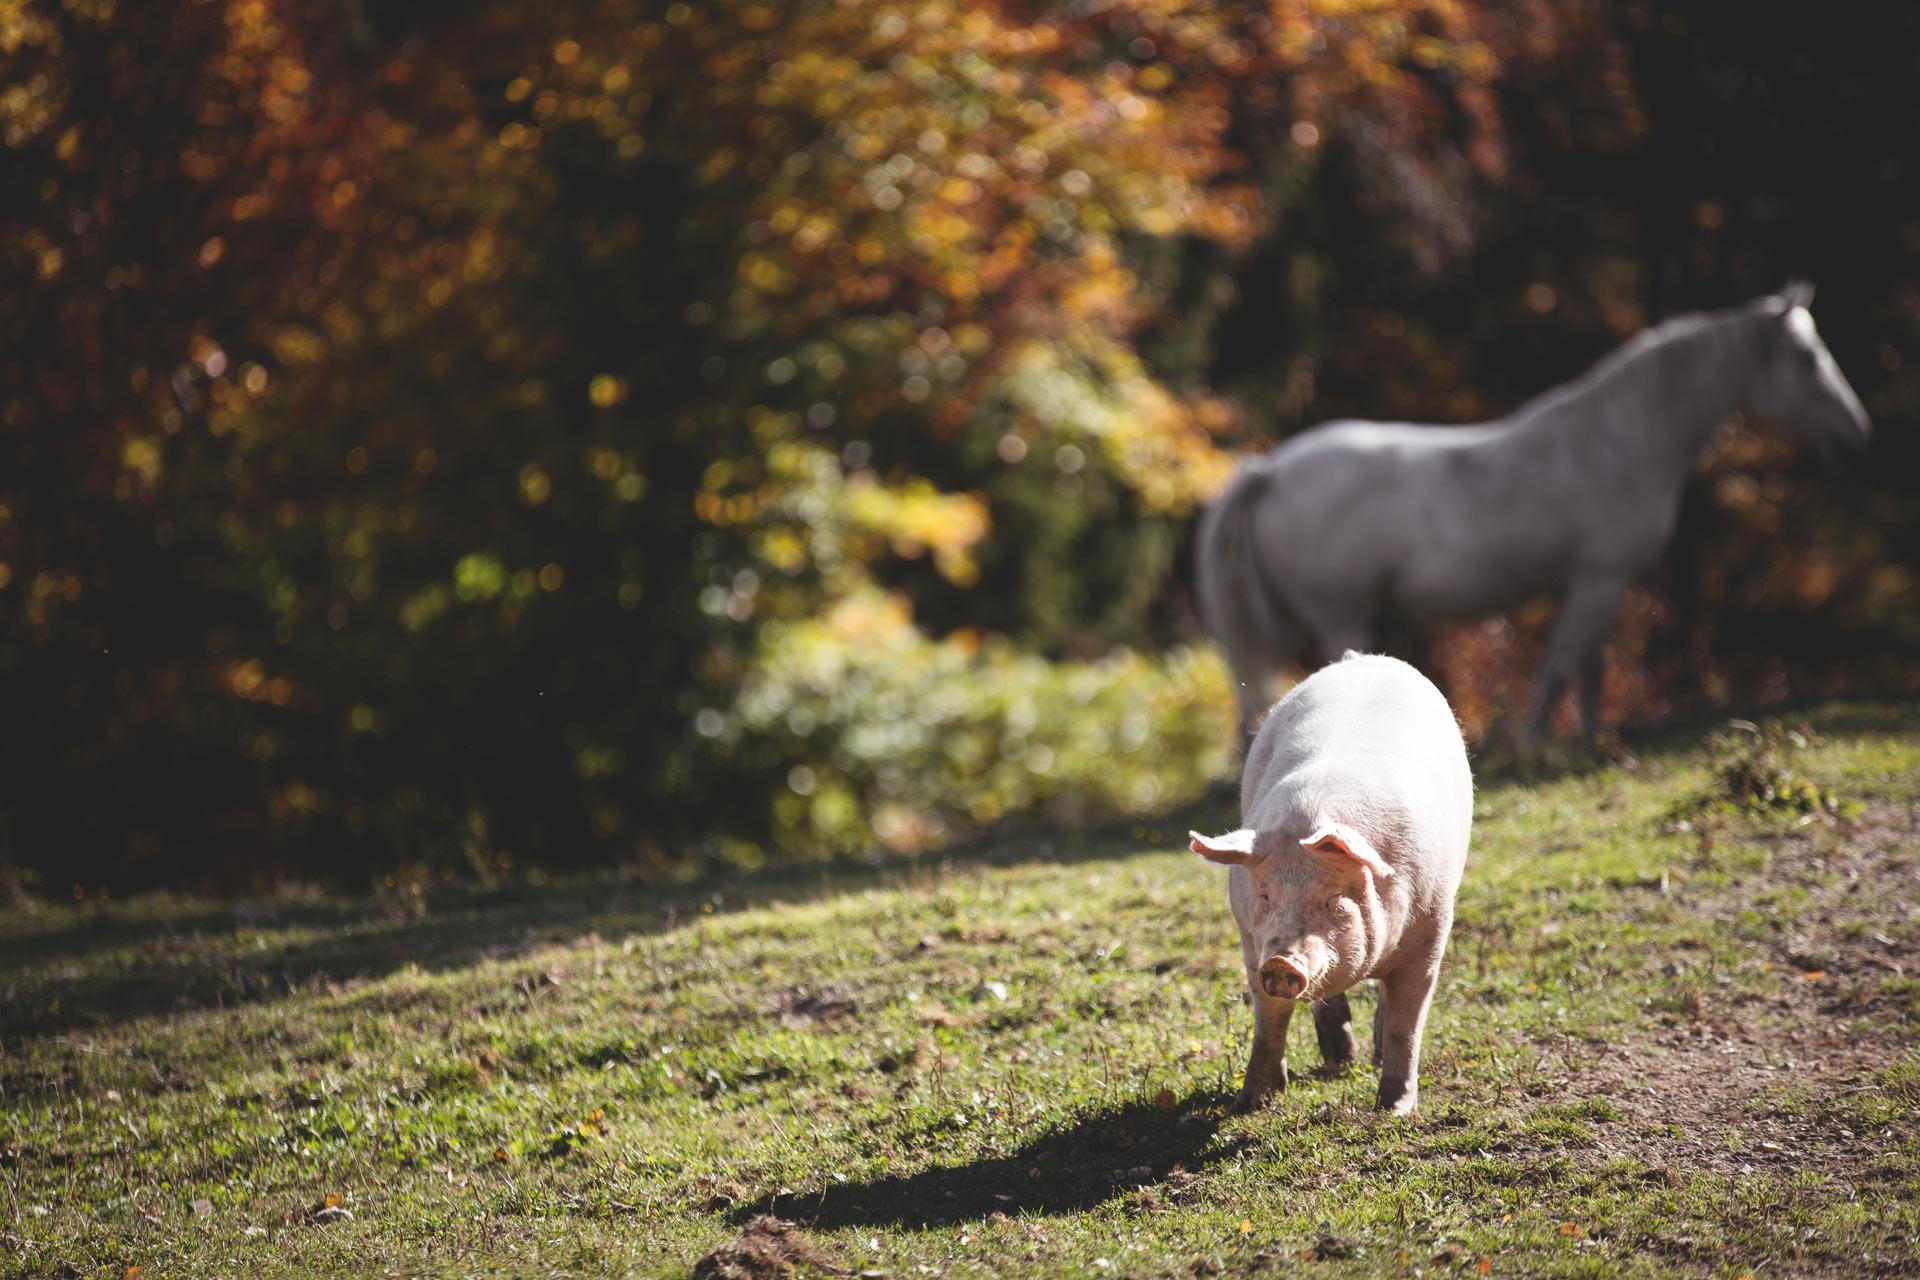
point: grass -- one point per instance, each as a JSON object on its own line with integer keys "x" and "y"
{"x": 1012, "y": 1063}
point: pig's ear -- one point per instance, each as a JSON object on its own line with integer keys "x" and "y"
{"x": 1234, "y": 849}
{"x": 1338, "y": 837}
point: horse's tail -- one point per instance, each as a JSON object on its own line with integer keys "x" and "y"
{"x": 1239, "y": 601}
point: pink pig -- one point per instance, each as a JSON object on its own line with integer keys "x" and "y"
{"x": 1358, "y": 804}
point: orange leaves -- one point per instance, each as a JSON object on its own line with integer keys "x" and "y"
{"x": 880, "y": 254}
{"x": 933, "y": 192}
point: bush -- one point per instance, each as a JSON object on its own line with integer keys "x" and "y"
{"x": 1754, "y": 772}
{"x": 876, "y": 731}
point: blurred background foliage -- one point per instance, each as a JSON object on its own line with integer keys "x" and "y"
{"x": 487, "y": 434}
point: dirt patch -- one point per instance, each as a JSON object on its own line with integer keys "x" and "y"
{"x": 767, "y": 1249}
{"x": 804, "y": 1007}
{"x": 1703, "y": 1100}
{"x": 1705, "y": 1091}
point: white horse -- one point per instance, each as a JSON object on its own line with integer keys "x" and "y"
{"x": 1572, "y": 494}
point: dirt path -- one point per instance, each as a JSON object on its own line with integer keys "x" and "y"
{"x": 1706, "y": 1091}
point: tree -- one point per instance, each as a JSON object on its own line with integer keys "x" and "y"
{"x": 491, "y": 407}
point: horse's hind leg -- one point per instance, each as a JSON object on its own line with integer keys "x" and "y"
{"x": 1252, "y": 686}
{"x": 1255, "y": 664}
{"x": 1397, "y": 634}
{"x": 1337, "y": 636}
{"x": 1579, "y": 632}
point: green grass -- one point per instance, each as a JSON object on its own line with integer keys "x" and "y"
{"x": 1015, "y": 1062}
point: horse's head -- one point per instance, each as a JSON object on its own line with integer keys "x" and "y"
{"x": 1796, "y": 382}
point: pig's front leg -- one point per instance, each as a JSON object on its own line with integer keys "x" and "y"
{"x": 1267, "y": 1063}
{"x": 1333, "y": 1028}
{"x": 1405, "y": 996}
{"x": 1379, "y": 1019}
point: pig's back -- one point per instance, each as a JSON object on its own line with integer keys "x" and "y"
{"x": 1368, "y": 733}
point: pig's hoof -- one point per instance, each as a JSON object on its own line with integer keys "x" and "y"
{"x": 1401, "y": 1102}
{"x": 1259, "y": 1090}
{"x": 1266, "y": 1076}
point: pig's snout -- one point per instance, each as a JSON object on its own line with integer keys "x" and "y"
{"x": 1283, "y": 979}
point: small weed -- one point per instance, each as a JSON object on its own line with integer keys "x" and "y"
{"x": 1904, "y": 992}
{"x": 1757, "y": 770}
{"x": 458, "y": 1076}
{"x": 575, "y": 1134}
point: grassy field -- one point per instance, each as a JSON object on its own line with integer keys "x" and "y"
{"x": 1667, "y": 1043}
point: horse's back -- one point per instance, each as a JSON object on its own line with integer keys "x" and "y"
{"x": 1441, "y": 521}
{"x": 1350, "y": 462}
{"x": 1333, "y": 501}
{"x": 1360, "y": 437}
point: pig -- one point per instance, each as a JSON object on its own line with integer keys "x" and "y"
{"x": 1357, "y": 801}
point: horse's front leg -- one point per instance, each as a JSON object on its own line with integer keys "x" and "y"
{"x": 1579, "y": 631}
{"x": 1593, "y": 677}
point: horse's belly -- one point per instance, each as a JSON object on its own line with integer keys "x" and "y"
{"x": 1472, "y": 585}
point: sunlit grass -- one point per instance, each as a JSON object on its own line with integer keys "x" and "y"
{"x": 1015, "y": 1063}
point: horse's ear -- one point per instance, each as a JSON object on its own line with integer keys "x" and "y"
{"x": 1797, "y": 293}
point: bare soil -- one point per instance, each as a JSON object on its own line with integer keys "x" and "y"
{"x": 1706, "y": 1092}
{"x": 768, "y": 1248}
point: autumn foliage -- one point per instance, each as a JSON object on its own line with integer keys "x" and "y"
{"x": 487, "y": 432}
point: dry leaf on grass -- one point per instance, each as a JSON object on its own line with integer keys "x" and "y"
{"x": 331, "y": 1209}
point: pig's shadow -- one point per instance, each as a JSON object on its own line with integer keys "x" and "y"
{"x": 1099, "y": 1156}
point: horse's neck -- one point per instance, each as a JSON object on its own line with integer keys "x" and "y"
{"x": 1655, "y": 407}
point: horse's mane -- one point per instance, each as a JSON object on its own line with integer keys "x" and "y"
{"x": 1635, "y": 359}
